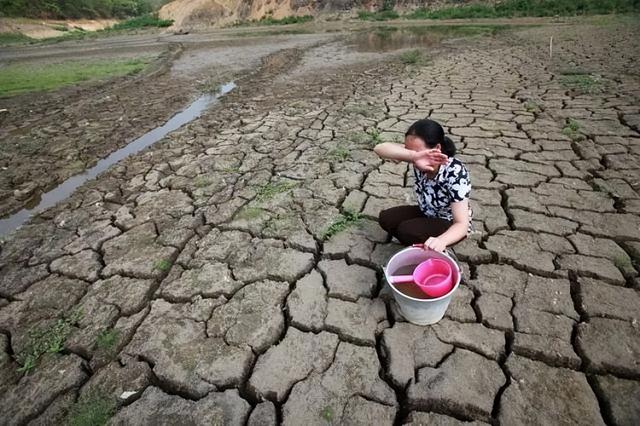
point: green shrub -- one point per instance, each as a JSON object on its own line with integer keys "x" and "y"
{"x": 143, "y": 21}
{"x": 384, "y": 15}
{"x": 74, "y": 9}
{"x": 413, "y": 57}
{"x": 268, "y": 20}
{"x": 514, "y": 8}
{"x": 11, "y": 38}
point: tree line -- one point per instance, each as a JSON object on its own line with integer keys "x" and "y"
{"x": 75, "y": 9}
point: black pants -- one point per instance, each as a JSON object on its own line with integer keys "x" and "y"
{"x": 410, "y": 226}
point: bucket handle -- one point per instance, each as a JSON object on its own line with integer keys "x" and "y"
{"x": 401, "y": 279}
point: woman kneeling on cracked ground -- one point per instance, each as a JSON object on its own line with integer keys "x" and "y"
{"x": 442, "y": 216}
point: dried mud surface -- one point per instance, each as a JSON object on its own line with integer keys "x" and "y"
{"x": 207, "y": 288}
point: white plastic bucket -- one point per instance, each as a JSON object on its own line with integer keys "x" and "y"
{"x": 420, "y": 311}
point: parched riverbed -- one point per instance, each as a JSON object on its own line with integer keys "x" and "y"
{"x": 231, "y": 272}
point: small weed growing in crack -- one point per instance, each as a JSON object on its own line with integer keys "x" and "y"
{"x": 107, "y": 339}
{"x": 92, "y": 410}
{"x": 270, "y": 190}
{"x": 374, "y": 137}
{"x": 202, "y": 181}
{"x": 250, "y": 213}
{"x": 583, "y": 83}
{"x": 358, "y": 138}
{"x": 343, "y": 222}
{"x": 571, "y": 130}
{"x": 414, "y": 57}
{"x": 573, "y": 125}
{"x": 46, "y": 340}
{"x": 327, "y": 414}
{"x": 340, "y": 153}
{"x": 162, "y": 265}
{"x": 533, "y": 107}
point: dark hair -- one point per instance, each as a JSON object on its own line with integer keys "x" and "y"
{"x": 432, "y": 134}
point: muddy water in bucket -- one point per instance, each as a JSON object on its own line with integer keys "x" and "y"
{"x": 418, "y": 308}
{"x": 409, "y": 289}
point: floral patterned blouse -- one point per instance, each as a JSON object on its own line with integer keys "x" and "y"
{"x": 450, "y": 185}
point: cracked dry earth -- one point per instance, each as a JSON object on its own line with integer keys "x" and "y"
{"x": 206, "y": 259}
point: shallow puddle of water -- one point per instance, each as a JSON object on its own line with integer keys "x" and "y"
{"x": 389, "y": 39}
{"x": 386, "y": 39}
{"x": 66, "y": 188}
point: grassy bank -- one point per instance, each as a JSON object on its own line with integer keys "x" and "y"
{"x": 140, "y": 22}
{"x": 268, "y": 20}
{"x": 514, "y": 8}
{"x": 13, "y": 38}
{"x": 16, "y": 79}
{"x": 144, "y": 21}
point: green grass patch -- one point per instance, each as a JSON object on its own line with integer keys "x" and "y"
{"x": 450, "y": 31}
{"x": 13, "y": 38}
{"x": 340, "y": 154}
{"x": 583, "y": 83}
{"x": 269, "y": 20}
{"x": 571, "y": 130}
{"x": 46, "y": 340}
{"x": 344, "y": 221}
{"x": 162, "y": 265}
{"x": 414, "y": 57}
{"x": 371, "y": 137}
{"x": 516, "y": 8}
{"x": 383, "y": 15}
{"x": 144, "y": 21}
{"x": 374, "y": 137}
{"x": 92, "y": 410}
{"x": 327, "y": 414}
{"x": 107, "y": 339}
{"x": 22, "y": 78}
{"x": 573, "y": 125}
{"x": 271, "y": 189}
{"x": 358, "y": 138}
{"x": 532, "y": 106}
{"x": 446, "y": 31}
{"x": 287, "y": 20}
{"x": 202, "y": 182}
{"x": 250, "y": 213}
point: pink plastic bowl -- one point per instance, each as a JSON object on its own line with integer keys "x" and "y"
{"x": 433, "y": 277}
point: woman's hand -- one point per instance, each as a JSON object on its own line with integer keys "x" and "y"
{"x": 435, "y": 243}
{"x": 428, "y": 160}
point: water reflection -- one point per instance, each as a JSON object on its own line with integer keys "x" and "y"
{"x": 385, "y": 39}
{"x": 66, "y": 188}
